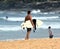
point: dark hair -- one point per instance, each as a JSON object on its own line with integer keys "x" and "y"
{"x": 49, "y": 27}
{"x": 29, "y": 12}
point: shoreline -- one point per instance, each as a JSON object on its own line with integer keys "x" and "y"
{"x": 41, "y": 43}
{"x": 23, "y": 39}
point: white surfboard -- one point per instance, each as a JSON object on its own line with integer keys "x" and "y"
{"x": 28, "y": 24}
{"x": 38, "y": 23}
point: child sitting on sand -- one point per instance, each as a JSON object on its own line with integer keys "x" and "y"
{"x": 50, "y": 32}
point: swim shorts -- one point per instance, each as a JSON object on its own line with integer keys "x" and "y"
{"x": 51, "y": 36}
{"x": 28, "y": 29}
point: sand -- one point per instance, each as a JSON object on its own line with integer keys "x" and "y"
{"x": 44, "y": 43}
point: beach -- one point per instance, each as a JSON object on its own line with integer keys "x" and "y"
{"x": 42, "y": 43}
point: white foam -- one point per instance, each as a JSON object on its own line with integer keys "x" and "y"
{"x": 12, "y": 39}
{"x": 17, "y": 28}
{"x": 47, "y": 13}
{"x": 22, "y": 18}
{"x": 14, "y": 18}
{"x": 9, "y": 28}
{"x": 35, "y": 11}
{"x": 53, "y": 26}
{"x": 46, "y": 18}
{"x": 44, "y": 13}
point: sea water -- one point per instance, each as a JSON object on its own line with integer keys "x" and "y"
{"x": 10, "y": 27}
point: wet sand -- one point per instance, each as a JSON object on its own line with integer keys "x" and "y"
{"x": 43, "y": 43}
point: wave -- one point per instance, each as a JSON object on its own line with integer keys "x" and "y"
{"x": 10, "y": 28}
{"x": 15, "y": 12}
{"x": 19, "y": 12}
{"x": 1, "y": 12}
{"x": 53, "y": 26}
{"x": 22, "y": 18}
{"x": 46, "y": 18}
{"x": 11, "y": 13}
{"x": 47, "y": 13}
{"x": 39, "y": 11}
{"x": 17, "y": 28}
{"x": 13, "y": 18}
{"x": 12, "y": 39}
{"x": 51, "y": 12}
{"x": 44, "y": 13}
{"x": 35, "y": 11}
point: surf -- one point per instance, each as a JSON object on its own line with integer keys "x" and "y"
{"x": 34, "y": 17}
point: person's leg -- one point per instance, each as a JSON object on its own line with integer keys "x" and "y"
{"x": 28, "y": 33}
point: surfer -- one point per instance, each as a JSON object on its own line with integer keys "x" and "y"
{"x": 28, "y": 17}
{"x": 50, "y": 32}
{"x": 6, "y": 17}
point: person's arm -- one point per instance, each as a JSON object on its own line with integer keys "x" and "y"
{"x": 25, "y": 19}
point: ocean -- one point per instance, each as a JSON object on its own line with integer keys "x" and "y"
{"x": 10, "y": 28}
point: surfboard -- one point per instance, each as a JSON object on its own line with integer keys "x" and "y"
{"x": 28, "y": 24}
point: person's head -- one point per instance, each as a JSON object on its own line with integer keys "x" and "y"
{"x": 28, "y": 12}
{"x": 49, "y": 27}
